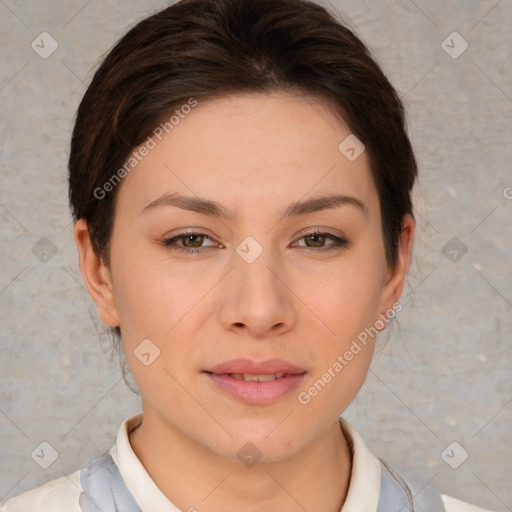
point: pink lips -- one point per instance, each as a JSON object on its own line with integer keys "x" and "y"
{"x": 254, "y": 391}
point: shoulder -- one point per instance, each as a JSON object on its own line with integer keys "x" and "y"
{"x": 64, "y": 494}
{"x": 455, "y": 505}
{"x": 61, "y": 494}
{"x": 376, "y": 486}
{"x": 424, "y": 498}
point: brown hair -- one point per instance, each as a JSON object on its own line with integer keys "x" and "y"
{"x": 209, "y": 48}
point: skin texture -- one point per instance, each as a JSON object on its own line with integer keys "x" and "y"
{"x": 254, "y": 154}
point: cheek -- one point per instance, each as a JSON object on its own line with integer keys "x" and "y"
{"x": 153, "y": 305}
{"x": 347, "y": 298}
{"x": 151, "y": 297}
{"x": 346, "y": 303}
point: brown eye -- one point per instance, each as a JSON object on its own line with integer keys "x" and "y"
{"x": 316, "y": 240}
{"x": 188, "y": 242}
{"x": 194, "y": 240}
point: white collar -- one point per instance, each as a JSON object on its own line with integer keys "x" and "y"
{"x": 364, "y": 489}
{"x": 363, "y": 492}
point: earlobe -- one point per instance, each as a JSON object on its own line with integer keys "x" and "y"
{"x": 96, "y": 275}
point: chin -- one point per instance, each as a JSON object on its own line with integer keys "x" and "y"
{"x": 263, "y": 441}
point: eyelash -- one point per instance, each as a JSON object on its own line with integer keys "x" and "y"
{"x": 339, "y": 243}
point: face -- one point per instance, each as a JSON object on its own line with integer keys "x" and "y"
{"x": 253, "y": 276}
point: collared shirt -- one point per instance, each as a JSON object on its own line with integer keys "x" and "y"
{"x": 63, "y": 494}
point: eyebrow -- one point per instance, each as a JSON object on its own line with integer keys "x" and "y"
{"x": 215, "y": 209}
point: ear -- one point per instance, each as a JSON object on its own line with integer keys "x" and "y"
{"x": 395, "y": 278}
{"x": 96, "y": 275}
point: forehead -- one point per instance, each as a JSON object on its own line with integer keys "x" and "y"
{"x": 254, "y": 147}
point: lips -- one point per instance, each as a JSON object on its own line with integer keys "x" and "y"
{"x": 249, "y": 367}
{"x": 256, "y": 383}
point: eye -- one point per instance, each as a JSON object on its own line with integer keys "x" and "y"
{"x": 192, "y": 242}
{"x": 318, "y": 239}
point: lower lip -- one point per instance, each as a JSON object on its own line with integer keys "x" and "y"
{"x": 254, "y": 392}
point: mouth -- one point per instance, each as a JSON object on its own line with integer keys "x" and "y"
{"x": 255, "y": 383}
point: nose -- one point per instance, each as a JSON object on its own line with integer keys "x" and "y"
{"x": 256, "y": 298}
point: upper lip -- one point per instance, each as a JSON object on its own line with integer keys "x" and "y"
{"x": 247, "y": 366}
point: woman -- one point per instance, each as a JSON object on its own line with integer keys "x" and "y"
{"x": 240, "y": 180}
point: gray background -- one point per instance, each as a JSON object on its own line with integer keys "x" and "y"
{"x": 444, "y": 376}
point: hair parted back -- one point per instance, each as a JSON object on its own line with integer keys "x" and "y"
{"x": 204, "y": 49}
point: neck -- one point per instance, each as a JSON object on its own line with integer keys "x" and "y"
{"x": 193, "y": 477}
